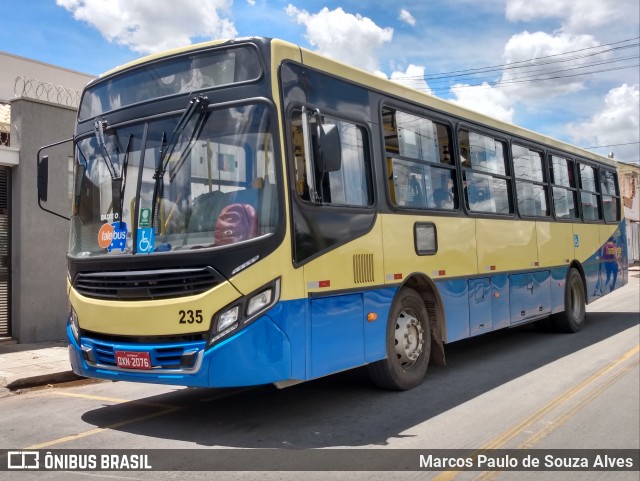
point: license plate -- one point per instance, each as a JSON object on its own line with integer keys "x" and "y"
{"x": 133, "y": 360}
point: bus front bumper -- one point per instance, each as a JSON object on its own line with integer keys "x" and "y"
{"x": 258, "y": 354}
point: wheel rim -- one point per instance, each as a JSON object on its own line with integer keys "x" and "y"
{"x": 409, "y": 339}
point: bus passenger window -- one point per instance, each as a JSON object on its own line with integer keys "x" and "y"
{"x": 487, "y": 184}
{"x": 589, "y": 196}
{"x": 610, "y": 196}
{"x": 531, "y": 188}
{"x": 420, "y": 165}
{"x": 350, "y": 184}
{"x": 408, "y": 184}
{"x": 564, "y": 188}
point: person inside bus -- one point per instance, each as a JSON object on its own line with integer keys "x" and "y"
{"x": 443, "y": 199}
{"x": 407, "y": 188}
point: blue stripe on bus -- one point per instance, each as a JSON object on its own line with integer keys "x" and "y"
{"x": 308, "y": 338}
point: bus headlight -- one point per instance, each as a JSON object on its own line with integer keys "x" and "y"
{"x": 244, "y": 310}
{"x": 227, "y": 319}
{"x": 73, "y": 323}
{"x": 259, "y": 301}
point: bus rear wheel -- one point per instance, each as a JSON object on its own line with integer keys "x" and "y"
{"x": 408, "y": 344}
{"x": 572, "y": 318}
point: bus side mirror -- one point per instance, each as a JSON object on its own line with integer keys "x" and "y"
{"x": 43, "y": 178}
{"x": 329, "y": 154}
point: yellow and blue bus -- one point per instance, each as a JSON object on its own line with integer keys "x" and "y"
{"x": 248, "y": 212}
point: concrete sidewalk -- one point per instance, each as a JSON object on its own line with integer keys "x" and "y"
{"x": 29, "y": 365}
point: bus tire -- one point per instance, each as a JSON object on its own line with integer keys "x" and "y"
{"x": 408, "y": 344}
{"x": 572, "y": 318}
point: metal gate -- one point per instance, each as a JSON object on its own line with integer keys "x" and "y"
{"x": 5, "y": 252}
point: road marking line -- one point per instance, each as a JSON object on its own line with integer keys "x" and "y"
{"x": 105, "y": 428}
{"x": 537, "y": 415}
{"x": 557, "y": 423}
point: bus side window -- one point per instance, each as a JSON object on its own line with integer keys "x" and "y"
{"x": 421, "y": 170}
{"x": 349, "y": 181}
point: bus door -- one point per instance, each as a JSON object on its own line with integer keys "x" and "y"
{"x": 337, "y": 239}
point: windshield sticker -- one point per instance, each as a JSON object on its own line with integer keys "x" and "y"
{"x": 146, "y": 240}
{"x": 113, "y": 236}
{"x": 145, "y": 217}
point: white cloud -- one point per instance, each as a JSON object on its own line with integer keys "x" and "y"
{"x": 484, "y": 99}
{"x": 576, "y": 15}
{"x": 617, "y": 123}
{"x": 530, "y": 47}
{"x": 413, "y": 77}
{"x": 251, "y": 2}
{"x": 352, "y": 39}
{"x": 145, "y": 27}
{"x": 406, "y": 16}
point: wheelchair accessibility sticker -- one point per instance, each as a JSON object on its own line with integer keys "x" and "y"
{"x": 113, "y": 236}
{"x": 146, "y": 240}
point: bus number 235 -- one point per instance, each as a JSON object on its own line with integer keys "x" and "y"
{"x": 189, "y": 316}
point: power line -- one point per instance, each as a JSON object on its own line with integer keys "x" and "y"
{"x": 499, "y": 83}
{"x": 610, "y": 145}
{"x": 544, "y": 60}
{"x": 526, "y": 75}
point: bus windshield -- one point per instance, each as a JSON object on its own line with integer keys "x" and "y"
{"x": 217, "y": 186}
{"x": 187, "y": 73}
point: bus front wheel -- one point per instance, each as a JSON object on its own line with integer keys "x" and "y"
{"x": 572, "y": 318}
{"x": 408, "y": 344}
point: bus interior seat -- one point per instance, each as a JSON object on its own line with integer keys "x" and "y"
{"x": 207, "y": 207}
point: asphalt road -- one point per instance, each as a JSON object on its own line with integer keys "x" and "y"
{"x": 519, "y": 388}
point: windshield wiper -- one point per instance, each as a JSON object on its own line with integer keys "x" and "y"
{"x": 121, "y": 182}
{"x": 98, "y": 127}
{"x": 118, "y": 181}
{"x": 197, "y": 105}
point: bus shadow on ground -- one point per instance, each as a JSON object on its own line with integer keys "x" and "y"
{"x": 346, "y": 409}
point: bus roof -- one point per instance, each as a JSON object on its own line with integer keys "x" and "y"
{"x": 369, "y": 80}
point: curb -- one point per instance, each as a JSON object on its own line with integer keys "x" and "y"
{"x": 41, "y": 380}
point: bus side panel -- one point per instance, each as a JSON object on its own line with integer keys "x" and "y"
{"x": 455, "y": 298}
{"x": 259, "y": 354}
{"x": 612, "y": 257}
{"x": 456, "y": 248}
{"x": 555, "y": 243}
{"x": 292, "y": 318}
{"x": 558, "y": 280}
{"x": 500, "y": 252}
{"x": 587, "y": 250}
{"x": 377, "y": 302}
{"x": 500, "y": 314}
{"x": 337, "y": 333}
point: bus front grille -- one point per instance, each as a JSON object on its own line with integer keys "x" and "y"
{"x": 169, "y": 356}
{"x": 146, "y": 285}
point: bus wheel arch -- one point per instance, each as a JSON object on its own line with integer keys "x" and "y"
{"x": 407, "y": 343}
{"x": 572, "y": 318}
{"x": 416, "y": 302}
{"x": 578, "y": 266}
{"x": 426, "y": 288}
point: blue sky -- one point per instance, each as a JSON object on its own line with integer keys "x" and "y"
{"x": 589, "y": 97}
